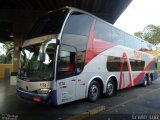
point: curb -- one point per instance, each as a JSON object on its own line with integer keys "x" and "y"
{"x": 87, "y": 114}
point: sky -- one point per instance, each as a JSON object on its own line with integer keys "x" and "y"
{"x": 139, "y": 14}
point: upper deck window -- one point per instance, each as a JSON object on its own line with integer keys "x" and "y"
{"x": 79, "y": 24}
{"x": 102, "y": 31}
{"x": 77, "y": 29}
{"x": 75, "y": 35}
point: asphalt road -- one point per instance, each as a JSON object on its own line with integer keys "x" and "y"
{"x": 133, "y": 103}
{"x": 137, "y": 103}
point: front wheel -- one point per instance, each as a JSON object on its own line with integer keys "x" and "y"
{"x": 94, "y": 91}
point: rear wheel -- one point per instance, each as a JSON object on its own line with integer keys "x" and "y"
{"x": 149, "y": 82}
{"x": 94, "y": 91}
{"x": 145, "y": 81}
{"x": 110, "y": 88}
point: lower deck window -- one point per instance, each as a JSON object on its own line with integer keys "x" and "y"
{"x": 118, "y": 63}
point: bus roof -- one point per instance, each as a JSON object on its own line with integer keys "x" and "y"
{"x": 76, "y": 9}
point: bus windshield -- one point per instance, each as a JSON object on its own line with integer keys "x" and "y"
{"x": 32, "y": 68}
{"x": 49, "y": 24}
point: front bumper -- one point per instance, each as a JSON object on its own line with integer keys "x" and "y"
{"x": 44, "y": 98}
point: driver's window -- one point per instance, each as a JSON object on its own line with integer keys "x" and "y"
{"x": 66, "y": 62}
{"x": 50, "y": 54}
{"x": 47, "y": 65}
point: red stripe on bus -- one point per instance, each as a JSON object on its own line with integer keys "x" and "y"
{"x": 101, "y": 45}
{"x": 89, "y": 53}
{"x": 96, "y": 46}
{"x": 124, "y": 58}
{"x": 142, "y": 73}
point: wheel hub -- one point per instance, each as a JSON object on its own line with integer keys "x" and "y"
{"x": 110, "y": 88}
{"x": 94, "y": 91}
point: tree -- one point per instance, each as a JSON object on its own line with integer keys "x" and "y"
{"x": 150, "y": 33}
{"x": 7, "y": 46}
{"x": 2, "y": 59}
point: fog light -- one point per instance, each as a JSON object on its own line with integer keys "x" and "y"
{"x": 43, "y": 91}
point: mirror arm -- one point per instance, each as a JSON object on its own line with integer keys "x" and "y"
{"x": 58, "y": 42}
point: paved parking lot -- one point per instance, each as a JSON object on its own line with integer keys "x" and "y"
{"x": 134, "y": 103}
{"x": 127, "y": 104}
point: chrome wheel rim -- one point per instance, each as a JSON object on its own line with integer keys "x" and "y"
{"x": 110, "y": 88}
{"x": 94, "y": 91}
{"x": 150, "y": 80}
{"x": 145, "y": 82}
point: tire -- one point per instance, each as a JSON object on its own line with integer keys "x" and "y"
{"x": 110, "y": 88}
{"x": 149, "y": 82}
{"x": 145, "y": 82}
{"x": 93, "y": 91}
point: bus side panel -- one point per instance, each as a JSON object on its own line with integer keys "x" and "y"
{"x": 130, "y": 78}
{"x": 66, "y": 90}
{"x": 93, "y": 70}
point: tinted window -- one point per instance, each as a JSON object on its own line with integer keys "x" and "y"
{"x": 76, "y": 31}
{"x": 143, "y": 46}
{"x": 76, "y": 34}
{"x": 66, "y": 62}
{"x": 137, "y": 65}
{"x": 102, "y": 31}
{"x": 136, "y": 44}
{"x": 79, "y": 24}
{"x": 117, "y": 36}
{"x": 149, "y": 46}
{"x": 114, "y": 64}
{"x": 133, "y": 42}
{"x": 128, "y": 41}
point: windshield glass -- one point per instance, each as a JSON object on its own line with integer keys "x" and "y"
{"x": 49, "y": 24}
{"x": 30, "y": 65}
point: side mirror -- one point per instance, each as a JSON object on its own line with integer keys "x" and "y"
{"x": 42, "y": 57}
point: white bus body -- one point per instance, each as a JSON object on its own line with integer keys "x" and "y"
{"x": 76, "y": 55}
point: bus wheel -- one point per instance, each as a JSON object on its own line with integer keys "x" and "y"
{"x": 110, "y": 88}
{"x": 149, "y": 82}
{"x": 145, "y": 82}
{"x": 94, "y": 91}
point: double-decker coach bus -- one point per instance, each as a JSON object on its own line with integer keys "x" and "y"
{"x": 71, "y": 55}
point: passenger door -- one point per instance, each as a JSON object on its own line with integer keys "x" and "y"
{"x": 66, "y": 76}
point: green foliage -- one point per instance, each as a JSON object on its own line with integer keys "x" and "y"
{"x": 139, "y": 34}
{"x": 151, "y": 33}
{"x": 2, "y": 59}
{"x": 7, "y": 46}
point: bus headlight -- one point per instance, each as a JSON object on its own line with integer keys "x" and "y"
{"x": 43, "y": 91}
